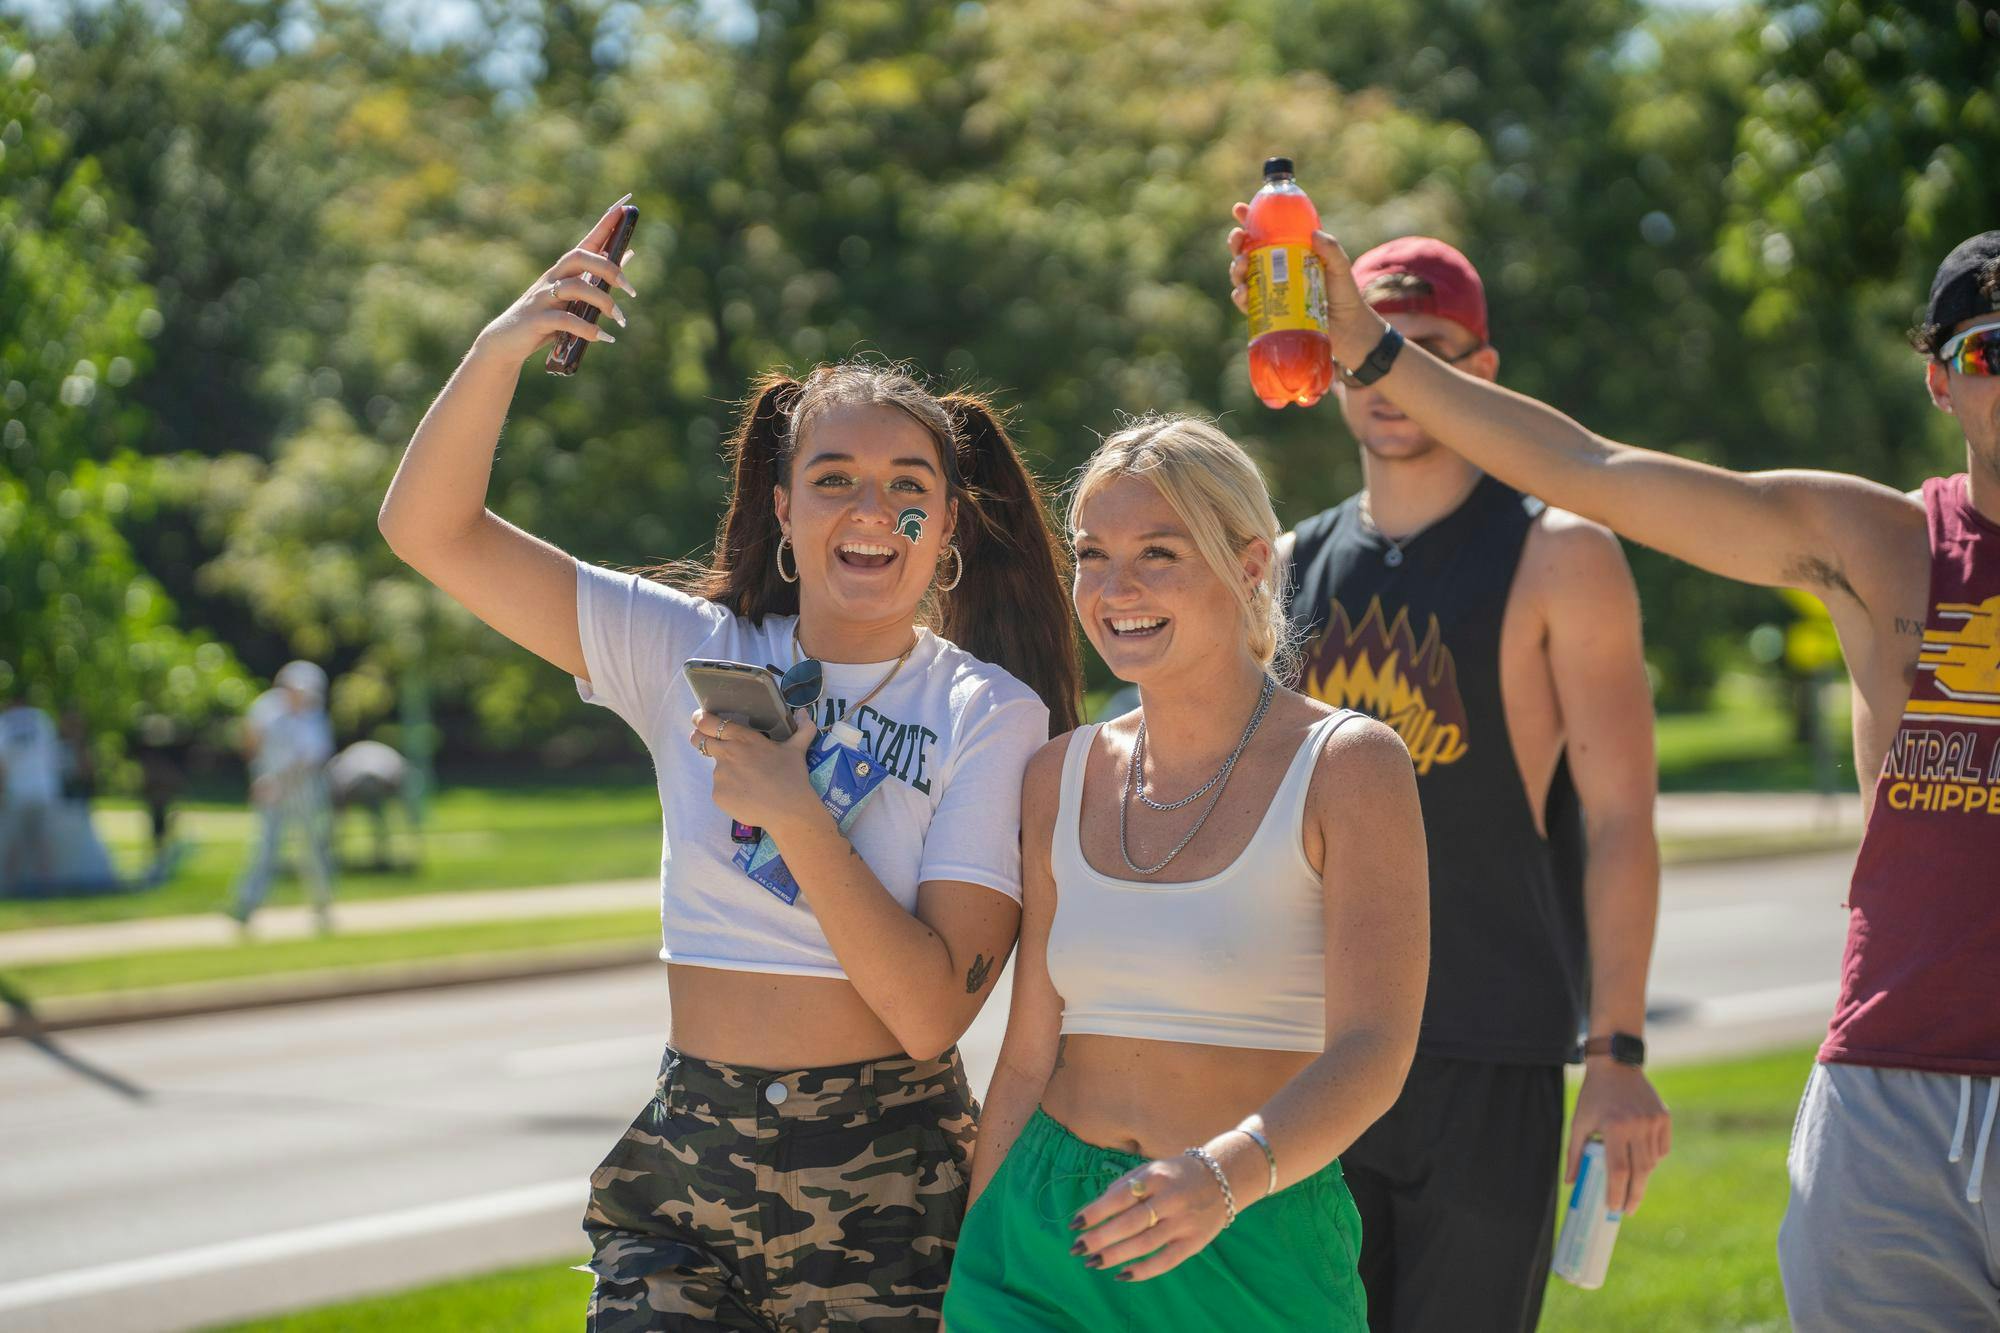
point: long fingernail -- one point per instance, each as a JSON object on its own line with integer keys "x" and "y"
{"x": 626, "y": 287}
{"x": 1076, "y": 1248}
{"x": 605, "y": 337}
{"x": 618, "y": 315}
{"x": 1076, "y": 1223}
{"x": 1094, "y": 1261}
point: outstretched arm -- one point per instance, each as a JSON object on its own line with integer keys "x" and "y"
{"x": 1792, "y": 528}
{"x": 435, "y": 514}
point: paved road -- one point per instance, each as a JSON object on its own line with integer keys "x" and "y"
{"x": 177, "y": 1174}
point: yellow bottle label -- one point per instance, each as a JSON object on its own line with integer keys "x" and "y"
{"x": 1287, "y": 290}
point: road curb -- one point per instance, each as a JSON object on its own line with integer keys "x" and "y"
{"x": 70, "y": 1013}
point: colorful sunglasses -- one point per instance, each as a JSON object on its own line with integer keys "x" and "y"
{"x": 1973, "y": 352}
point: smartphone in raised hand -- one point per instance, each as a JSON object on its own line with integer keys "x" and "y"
{"x": 567, "y": 353}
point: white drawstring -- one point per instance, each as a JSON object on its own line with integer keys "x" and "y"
{"x": 1964, "y": 1105}
{"x": 1985, "y": 1138}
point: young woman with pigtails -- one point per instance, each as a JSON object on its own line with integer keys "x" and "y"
{"x": 803, "y": 1161}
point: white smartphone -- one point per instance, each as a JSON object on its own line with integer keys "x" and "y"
{"x": 741, "y": 692}
{"x": 745, "y": 694}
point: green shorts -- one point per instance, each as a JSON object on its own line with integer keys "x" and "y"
{"x": 1288, "y": 1263}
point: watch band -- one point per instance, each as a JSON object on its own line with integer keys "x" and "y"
{"x": 1622, "y": 1047}
{"x": 1379, "y": 360}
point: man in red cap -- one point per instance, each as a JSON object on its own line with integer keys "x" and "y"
{"x": 1893, "y": 1168}
{"x": 1501, "y": 639}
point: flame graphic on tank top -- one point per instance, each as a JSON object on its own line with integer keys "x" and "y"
{"x": 1961, "y": 655}
{"x": 1379, "y": 668}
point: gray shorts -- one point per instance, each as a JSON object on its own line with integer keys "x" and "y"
{"x": 1894, "y": 1217}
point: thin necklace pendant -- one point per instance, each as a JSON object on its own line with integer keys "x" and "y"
{"x": 1219, "y": 782}
{"x": 1392, "y": 557}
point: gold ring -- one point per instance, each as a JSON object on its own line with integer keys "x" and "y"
{"x": 1137, "y": 1186}
{"x": 702, "y": 745}
{"x": 722, "y": 730}
{"x": 554, "y": 285}
{"x": 1155, "y": 1217}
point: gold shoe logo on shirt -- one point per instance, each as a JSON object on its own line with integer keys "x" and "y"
{"x": 1961, "y": 654}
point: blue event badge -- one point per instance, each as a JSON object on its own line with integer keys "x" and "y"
{"x": 844, "y": 775}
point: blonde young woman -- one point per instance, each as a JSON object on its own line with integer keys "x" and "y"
{"x": 802, "y": 1162}
{"x": 1223, "y": 950}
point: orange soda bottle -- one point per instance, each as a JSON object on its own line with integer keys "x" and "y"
{"x": 1291, "y": 358}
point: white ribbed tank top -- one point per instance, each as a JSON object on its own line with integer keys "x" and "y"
{"x": 1234, "y": 959}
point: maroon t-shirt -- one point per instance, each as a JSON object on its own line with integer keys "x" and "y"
{"x": 1920, "y": 983}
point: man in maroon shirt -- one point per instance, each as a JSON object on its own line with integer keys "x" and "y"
{"x": 1890, "y": 1223}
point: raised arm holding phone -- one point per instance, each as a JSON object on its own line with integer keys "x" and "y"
{"x": 804, "y": 1157}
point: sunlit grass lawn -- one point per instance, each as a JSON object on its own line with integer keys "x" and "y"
{"x": 1743, "y": 741}
{"x": 475, "y": 838}
{"x": 1699, "y": 1256}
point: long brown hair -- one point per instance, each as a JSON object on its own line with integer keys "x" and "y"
{"x": 1010, "y": 606}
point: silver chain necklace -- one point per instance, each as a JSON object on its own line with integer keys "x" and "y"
{"x": 1218, "y": 782}
{"x": 1394, "y": 555}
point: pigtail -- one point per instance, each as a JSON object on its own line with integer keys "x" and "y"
{"x": 742, "y": 574}
{"x": 1010, "y": 606}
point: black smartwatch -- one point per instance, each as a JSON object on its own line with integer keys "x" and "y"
{"x": 1622, "y": 1047}
{"x": 1378, "y": 361}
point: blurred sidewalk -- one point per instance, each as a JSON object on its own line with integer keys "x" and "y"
{"x": 53, "y": 944}
{"x": 1720, "y": 814}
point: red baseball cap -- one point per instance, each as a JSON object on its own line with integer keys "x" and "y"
{"x": 1456, "y": 292}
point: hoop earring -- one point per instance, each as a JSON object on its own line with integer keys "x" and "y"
{"x": 957, "y": 567}
{"x": 792, "y": 577}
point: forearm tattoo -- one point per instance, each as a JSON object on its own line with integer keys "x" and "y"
{"x": 975, "y": 976}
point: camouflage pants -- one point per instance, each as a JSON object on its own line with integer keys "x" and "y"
{"x": 750, "y": 1199}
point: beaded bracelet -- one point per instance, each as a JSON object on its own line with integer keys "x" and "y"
{"x": 1270, "y": 1158}
{"x": 1207, "y": 1159}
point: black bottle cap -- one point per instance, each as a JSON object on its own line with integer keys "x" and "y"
{"x": 1277, "y": 166}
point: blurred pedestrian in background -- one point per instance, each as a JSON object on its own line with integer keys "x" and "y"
{"x": 30, "y": 784}
{"x": 371, "y": 776}
{"x": 287, "y": 741}
{"x": 162, "y": 753}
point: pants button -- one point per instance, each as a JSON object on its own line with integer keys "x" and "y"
{"x": 775, "y": 1093}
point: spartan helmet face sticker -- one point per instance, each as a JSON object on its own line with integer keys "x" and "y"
{"x": 910, "y": 523}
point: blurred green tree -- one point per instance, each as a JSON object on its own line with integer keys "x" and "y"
{"x": 1869, "y": 147}
{"x": 82, "y": 626}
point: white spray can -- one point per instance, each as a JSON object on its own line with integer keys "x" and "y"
{"x": 1589, "y": 1229}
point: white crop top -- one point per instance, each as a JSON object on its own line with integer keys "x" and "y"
{"x": 1236, "y": 959}
{"x": 955, "y": 733}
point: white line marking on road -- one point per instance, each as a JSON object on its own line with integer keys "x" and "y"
{"x": 599, "y": 1053}
{"x": 1777, "y": 1002}
{"x": 54, "y": 1287}
{"x": 1812, "y": 997}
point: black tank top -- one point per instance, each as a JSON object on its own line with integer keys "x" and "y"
{"x": 1416, "y": 643}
